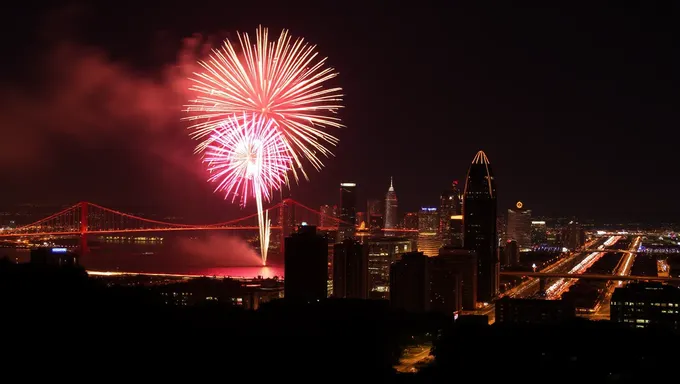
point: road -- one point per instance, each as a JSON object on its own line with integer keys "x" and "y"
{"x": 603, "y": 307}
{"x": 413, "y": 357}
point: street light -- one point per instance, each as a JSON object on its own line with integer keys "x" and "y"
{"x": 533, "y": 266}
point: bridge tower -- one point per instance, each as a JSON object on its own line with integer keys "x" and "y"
{"x": 83, "y": 229}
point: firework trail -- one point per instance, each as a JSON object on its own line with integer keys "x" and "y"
{"x": 282, "y": 80}
{"x": 247, "y": 157}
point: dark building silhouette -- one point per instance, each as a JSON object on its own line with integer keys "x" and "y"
{"x": 511, "y": 253}
{"x": 53, "y": 257}
{"x": 306, "y": 265}
{"x": 573, "y": 235}
{"x": 446, "y": 284}
{"x": 641, "y": 305}
{"x": 464, "y": 262}
{"x": 410, "y": 283}
{"x": 350, "y": 270}
{"x": 533, "y": 311}
{"x": 348, "y": 210}
{"x": 479, "y": 224}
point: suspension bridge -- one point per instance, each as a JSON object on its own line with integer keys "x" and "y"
{"x": 87, "y": 218}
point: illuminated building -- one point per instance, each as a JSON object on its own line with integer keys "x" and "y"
{"x": 464, "y": 263}
{"x": 519, "y": 225}
{"x": 350, "y": 270}
{"x": 374, "y": 211}
{"x": 479, "y": 225}
{"x": 456, "y": 231}
{"x": 348, "y": 210}
{"x": 428, "y": 226}
{"x": 449, "y": 206}
{"x": 410, "y": 283}
{"x": 533, "y": 311}
{"x": 643, "y": 305}
{"x": 361, "y": 219}
{"x": 539, "y": 233}
{"x": 329, "y": 214}
{"x": 391, "y": 207}
{"x": 306, "y": 265}
{"x": 382, "y": 252}
{"x": 248, "y": 295}
{"x": 411, "y": 220}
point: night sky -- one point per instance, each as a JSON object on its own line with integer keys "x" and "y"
{"x": 573, "y": 106}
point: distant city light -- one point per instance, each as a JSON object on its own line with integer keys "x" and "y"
{"x": 59, "y": 250}
{"x": 304, "y": 223}
{"x": 538, "y": 223}
{"x": 348, "y": 184}
{"x": 428, "y": 209}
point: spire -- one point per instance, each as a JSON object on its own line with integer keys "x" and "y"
{"x": 480, "y": 158}
{"x": 391, "y": 185}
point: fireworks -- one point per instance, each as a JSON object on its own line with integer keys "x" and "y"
{"x": 281, "y": 80}
{"x": 247, "y": 157}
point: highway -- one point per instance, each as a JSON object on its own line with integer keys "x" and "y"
{"x": 413, "y": 357}
{"x": 603, "y": 310}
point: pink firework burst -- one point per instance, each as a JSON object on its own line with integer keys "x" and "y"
{"x": 247, "y": 157}
{"x": 283, "y": 80}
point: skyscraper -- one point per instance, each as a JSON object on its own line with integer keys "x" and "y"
{"x": 391, "y": 207}
{"x": 479, "y": 224}
{"x": 519, "y": 225}
{"x": 449, "y": 207}
{"x": 306, "y": 265}
{"x": 348, "y": 210}
{"x": 350, "y": 270}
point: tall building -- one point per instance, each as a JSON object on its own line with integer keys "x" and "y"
{"x": 464, "y": 262}
{"x": 374, "y": 211}
{"x": 350, "y": 270}
{"x": 446, "y": 284}
{"x": 449, "y": 207}
{"x": 479, "y": 224}
{"x": 539, "y": 233}
{"x": 519, "y": 225}
{"x": 428, "y": 227}
{"x": 410, "y": 283}
{"x": 382, "y": 252}
{"x": 329, "y": 216}
{"x": 573, "y": 235}
{"x": 455, "y": 231}
{"x": 348, "y": 210}
{"x": 306, "y": 265}
{"x": 411, "y": 220}
{"x": 391, "y": 207}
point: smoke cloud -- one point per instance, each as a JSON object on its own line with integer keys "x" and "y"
{"x": 82, "y": 96}
{"x": 217, "y": 251}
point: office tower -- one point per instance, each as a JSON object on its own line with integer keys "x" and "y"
{"x": 306, "y": 265}
{"x": 449, "y": 207}
{"x": 573, "y": 235}
{"x": 411, "y": 220}
{"x": 410, "y": 283}
{"x": 350, "y": 270}
{"x": 428, "y": 226}
{"x": 464, "y": 262}
{"x": 510, "y": 253}
{"x": 456, "y": 231}
{"x": 519, "y": 225}
{"x": 329, "y": 216}
{"x": 479, "y": 224}
{"x": 391, "y": 207}
{"x": 348, "y": 210}
{"x": 446, "y": 284}
{"x": 382, "y": 252}
{"x": 539, "y": 233}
